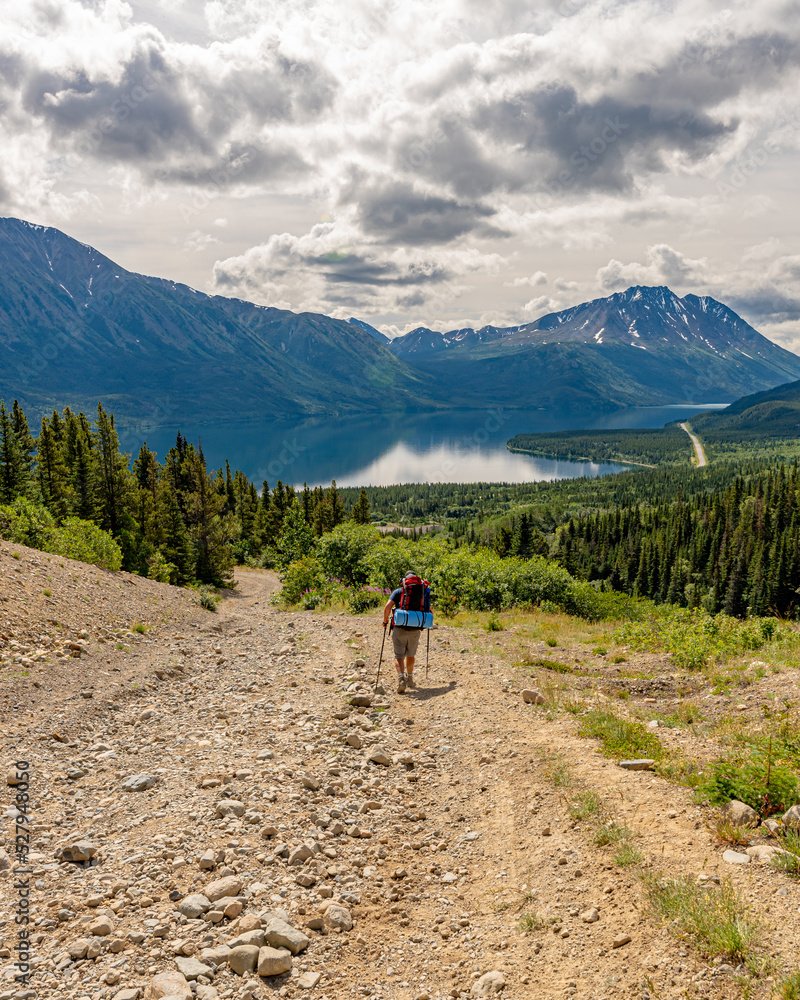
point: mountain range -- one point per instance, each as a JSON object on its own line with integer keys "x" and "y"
{"x": 643, "y": 344}
{"x": 76, "y": 328}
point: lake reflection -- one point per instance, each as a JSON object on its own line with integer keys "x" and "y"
{"x": 463, "y": 447}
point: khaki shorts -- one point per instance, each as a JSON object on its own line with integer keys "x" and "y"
{"x": 405, "y": 641}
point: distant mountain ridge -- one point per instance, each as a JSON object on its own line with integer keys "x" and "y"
{"x": 644, "y": 344}
{"x": 76, "y": 328}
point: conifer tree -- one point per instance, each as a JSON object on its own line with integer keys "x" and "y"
{"x": 360, "y": 512}
{"x": 14, "y": 468}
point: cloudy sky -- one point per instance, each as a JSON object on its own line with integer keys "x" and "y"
{"x": 436, "y": 162}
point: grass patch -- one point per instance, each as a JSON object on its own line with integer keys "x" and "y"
{"x": 47, "y": 593}
{"x": 788, "y": 863}
{"x": 548, "y": 642}
{"x": 732, "y": 833}
{"x": 611, "y": 833}
{"x": 718, "y": 921}
{"x": 493, "y": 624}
{"x": 585, "y": 805}
{"x": 618, "y": 737}
{"x": 530, "y": 921}
{"x": 789, "y": 987}
{"x": 558, "y": 772}
{"x": 628, "y": 855}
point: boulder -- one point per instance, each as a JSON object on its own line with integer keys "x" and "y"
{"x": 279, "y": 934}
{"x": 218, "y": 955}
{"x": 739, "y": 813}
{"x": 531, "y": 697}
{"x": 191, "y": 968}
{"x": 274, "y": 961}
{"x": 791, "y": 818}
{"x": 300, "y": 854}
{"x": 80, "y": 850}
{"x": 194, "y": 905}
{"x": 102, "y": 926}
{"x": 230, "y": 885}
{"x": 255, "y": 936}
{"x": 77, "y": 949}
{"x": 139, "y": 782}
{"x": 736, "y": 858}
{"x": 338, "y": 918}
{"x": 169, "y": 984}
{"x": 377, "y": 755}
{"x": 764, "y": 852}
{"x": 243, "y": 959}
{"x": 229, "y": 807}
{"x": 489, "y": 983}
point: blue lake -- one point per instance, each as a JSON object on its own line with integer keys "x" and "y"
{"x": 460, "y": 446}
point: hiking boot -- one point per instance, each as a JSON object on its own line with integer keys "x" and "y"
{"x": 410, "y": 682}
{"x": 401, "y": 684}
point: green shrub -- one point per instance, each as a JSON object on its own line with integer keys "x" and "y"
{"x": 84, "y": 541}
{"x": 342, "y": 552}
{"x": 360, "y": 601}
{"x": 26, "y": 523}
{"x": 297, "y": 539}
{"x": 766, "y": 785}
{"x": 159, "y": 569}
{"x": 31, "y": 524}
{"x": 694, "y": 637}
{"x": 303, "y": 575}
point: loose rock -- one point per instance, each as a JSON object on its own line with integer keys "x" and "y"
{"x": 489, "y": 983}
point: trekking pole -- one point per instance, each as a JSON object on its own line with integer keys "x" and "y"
{"x": 427, "y": 653}
{"x": 380, "y": 660}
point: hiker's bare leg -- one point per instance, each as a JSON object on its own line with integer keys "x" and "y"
{"x": 410, "y": 665}
{"x": 399, "y": 663}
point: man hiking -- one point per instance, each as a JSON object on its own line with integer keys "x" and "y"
{"x": 412, "y": 594}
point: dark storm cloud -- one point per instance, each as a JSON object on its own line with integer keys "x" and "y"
{"x": 765, "y": 304}
{"x": 142, "y": 116}
{"x": 242, "y": 164}
{"x": 397, "y": 213}
{"x": 551, "y": 134}
{"x": 162, "y": 116}
{"x": 361, "y": 270}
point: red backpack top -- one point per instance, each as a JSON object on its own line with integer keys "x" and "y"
{"x": 415, "y": 595}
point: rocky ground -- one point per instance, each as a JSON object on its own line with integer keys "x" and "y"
{"x": 221, "y": 807}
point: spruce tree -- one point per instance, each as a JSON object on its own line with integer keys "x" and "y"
{"x": 360, "y": 512}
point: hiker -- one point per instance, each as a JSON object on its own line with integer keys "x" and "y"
{"x": 413, "y": 594}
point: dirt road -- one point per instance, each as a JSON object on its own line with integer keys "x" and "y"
{"x": 698, "y": 447}
{"x": 440, "y": 820}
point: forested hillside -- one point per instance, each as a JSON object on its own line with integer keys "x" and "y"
{"x": 174, "y": 521}
{"x": 737, "y": 550}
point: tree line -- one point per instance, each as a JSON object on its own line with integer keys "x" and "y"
{"x": 175, "y": 521}
{"x": 736, "y": 550}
